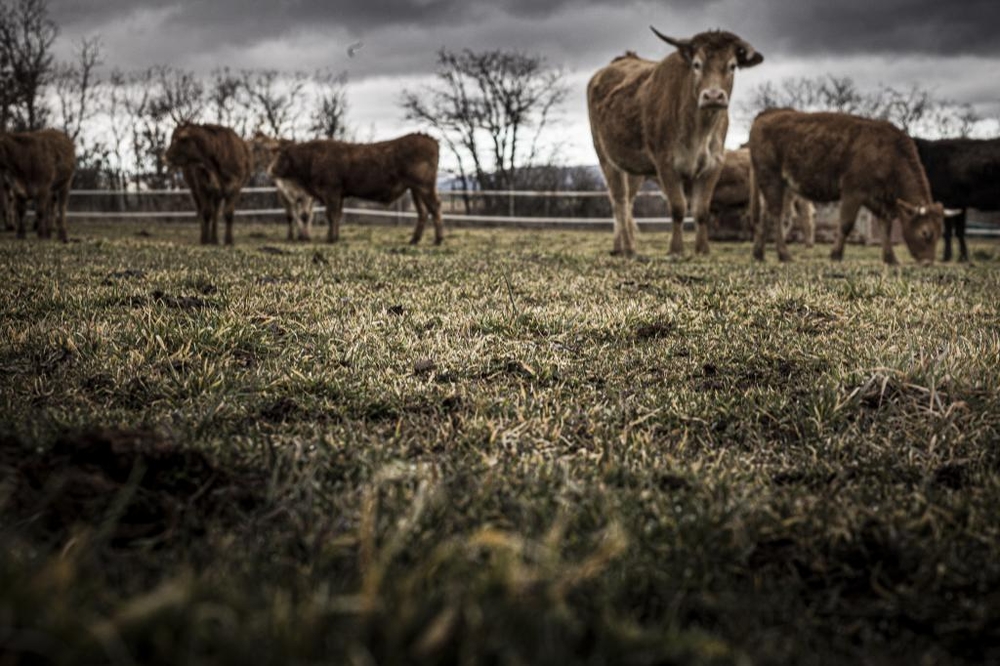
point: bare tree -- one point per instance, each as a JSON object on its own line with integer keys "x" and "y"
{"x": 228, "y": 100}
{"x": 273, "y": 99}
{"x": 181, "y": 95}
{"x": 329, "y": 114}
{"x": 491, "y": 109}
{"x": 26, "y": 65}
{"x": 75, "y": 85}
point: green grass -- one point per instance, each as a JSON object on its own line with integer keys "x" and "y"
{"x": 511, "y": 449}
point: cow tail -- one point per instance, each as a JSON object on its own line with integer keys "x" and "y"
{"x": 755, "y": 208}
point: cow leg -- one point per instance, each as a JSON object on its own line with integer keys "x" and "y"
{"x": 334, "y": 212}
{"x": 769, "y": 219}
{"x": 289, "y": 216}
{"x": 807, "y": 221}
{"x": 43, "y": 215}
{"x": 701, "y": 200}
{"x": 217, "y": 208}
{"x": 949, "y": 226}
{"x": 230, "y": 213}
{"x": 624, "y": 243}
{"x": 673, "y": 189}
{"x": 849, "y": 207}
{"x": 20, "y": 212}
{"x": 433, "y": 204}
{"x": 963, "y": 249}
{"x": 418, "y": 231}
{"x": 888, "y": 255}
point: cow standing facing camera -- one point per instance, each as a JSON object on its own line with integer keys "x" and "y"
{"x": 666, "y": 119}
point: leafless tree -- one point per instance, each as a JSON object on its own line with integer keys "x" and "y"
{"x": 228, "y": 100}
{"x": 329, "y": 114}
{"x": 26, "y": 63}
{"x": 273, "y": 99}
{"x": 181, "y": 95}
{"x": 491, "y": 109}
{"x": 75, "y": 85}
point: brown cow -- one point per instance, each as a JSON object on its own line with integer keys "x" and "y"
{"x": 666, "y": 119}
{"x": 862, "y": 162}
{"x": 216, "y": 164}
{"x": 38, "y": 166}
{"x": 298, "y": 204}
{"x": 732, "y": 195}
{"x": 332, "y": 170}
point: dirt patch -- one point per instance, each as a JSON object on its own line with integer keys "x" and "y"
{"x": 654, "y": 330}
{"x": 136, "y": 484}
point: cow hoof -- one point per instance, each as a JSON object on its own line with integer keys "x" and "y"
{"x": 784, "y": 258}
{"x": 758, "y": 254}
{"x": 837, "y": 255}
{"x": 438, "y": 241}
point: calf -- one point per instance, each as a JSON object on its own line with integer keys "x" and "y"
{"x": 216, "y": 164}
{"x": 298, "y": 204}
{"x": 963, "y": 173}
{"x": 829, "y": 156}
{"x": 331, "y": 170}
{"x": 38, "y": 166}
{"x": 666, "y": 119}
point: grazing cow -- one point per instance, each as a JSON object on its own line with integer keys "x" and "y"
{"x": 38, "y": 166}
{"x": 963, "y": 173}
{"x": 298, "y": 204}
{"x": 216, "y": 164}
{"x": 666, "y": 119}
{"x": 732, "y": 194}
{"x": 331, "y": 170}
{"x": 829, "y": 156}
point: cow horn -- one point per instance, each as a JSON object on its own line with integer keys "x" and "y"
{"x": 952, "y": 212}
{"x": 683, "y": 45}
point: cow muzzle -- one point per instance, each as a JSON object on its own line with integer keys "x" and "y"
{"x": 713, "y": 98}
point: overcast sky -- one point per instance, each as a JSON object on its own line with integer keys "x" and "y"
{"x": 949, "y": 47}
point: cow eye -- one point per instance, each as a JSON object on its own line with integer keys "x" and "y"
{"x": 732, "y": 67}
{"x": 697, "y": 65}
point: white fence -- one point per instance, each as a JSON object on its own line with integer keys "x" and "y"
{"x": 399, "y": 214}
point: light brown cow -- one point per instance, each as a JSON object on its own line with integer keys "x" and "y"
{"x": 666, "y": 119}
{"x": 732, "y": 195}
{"x": 299, "y": 206}
{"x": 216, "y": 164}
{"x": 332, "y": 170}
{"x": 862, "y": 162}
{"x": 38, "y": 166}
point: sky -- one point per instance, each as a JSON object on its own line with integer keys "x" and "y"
{"x": 947, "y": 47}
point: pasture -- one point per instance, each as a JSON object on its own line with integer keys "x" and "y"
{"x": 510, "y": 449}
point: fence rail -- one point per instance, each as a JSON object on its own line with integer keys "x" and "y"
{"x": 982, "y": 231}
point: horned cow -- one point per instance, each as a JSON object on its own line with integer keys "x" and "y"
{"x": 666, "y": 119}
{"x": 963, "y": 173}
{"x": 829, "y": 156}
{"x": 331, "y": 171}
{"x": 38, "y": 166}
{"x": 216, "y": 164}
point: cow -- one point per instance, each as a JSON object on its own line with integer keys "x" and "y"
{"x": 39, "y": 166}
{"x": 216, "y": 164}
{"x": 963, "y": 173}
{"x": 666, "y": 119}
{"x": 826, "y": 157}
{"x": 732, "y": 195}
{"x": 331, "y": 170}
{"x": 299, "y": 206}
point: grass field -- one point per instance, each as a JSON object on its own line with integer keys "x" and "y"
{"x": 512, "y": 449}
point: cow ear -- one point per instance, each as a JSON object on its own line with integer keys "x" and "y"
{"x": 747, "y": 56}
{"x": 684, "y": 46}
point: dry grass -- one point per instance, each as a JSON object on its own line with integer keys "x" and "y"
{"x": 511, "y": 449}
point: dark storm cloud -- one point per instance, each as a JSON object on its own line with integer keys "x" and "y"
{"x": 796, "y": 27}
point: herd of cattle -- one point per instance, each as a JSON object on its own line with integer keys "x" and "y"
{"x": 664, "y": 119}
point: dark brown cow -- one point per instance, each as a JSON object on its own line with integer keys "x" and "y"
{"x": 38, "y": 166}
{"x": 216, "y": 164}
{"x": 332, "y": 170}
{"x": 666, "y": 119}
{"x": 829, "y": 156}
{"x": 296, "y": 201}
